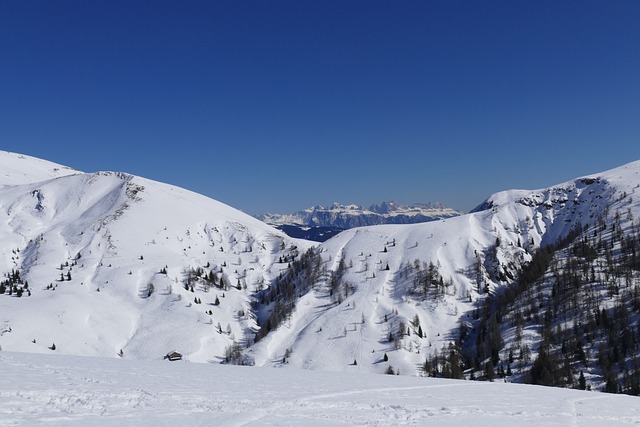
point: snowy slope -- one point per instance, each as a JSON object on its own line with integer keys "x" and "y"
{"x": 21, "y": 169}
{"x": 91, "y": 248}
{"x": 473, "y": 254}
{"x": 67, "y": 391}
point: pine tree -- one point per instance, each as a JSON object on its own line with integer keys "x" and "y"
{"x": 489, "y": 370}
{"x": 582, "y": 383}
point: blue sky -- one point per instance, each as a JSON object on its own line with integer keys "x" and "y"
{"x": 279, "y": 105}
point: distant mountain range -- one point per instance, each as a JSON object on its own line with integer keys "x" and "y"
{"x": 320, "y": 223}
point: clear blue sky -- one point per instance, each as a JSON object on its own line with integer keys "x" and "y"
{"x": 279, "y": 105}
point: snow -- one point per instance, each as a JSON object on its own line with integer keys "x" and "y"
{"x": 54, "y": 390}
{"x": 316, "y": 332}
{"x": 21, "y": 169}
{"x": 522, "y": 220}
{"x": 114, "y": 232}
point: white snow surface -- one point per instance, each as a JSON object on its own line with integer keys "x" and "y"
{"x": 52, "y": 390}
{"x": 21, "y": 169}
{"x": 111, "y": 234}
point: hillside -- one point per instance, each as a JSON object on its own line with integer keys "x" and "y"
{"x": 393, "y": 295}
{"x": 108, "y": 263}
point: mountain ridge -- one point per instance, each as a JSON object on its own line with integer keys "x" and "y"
{"x": 319, "y": 223}
{"x": 350, "y": 216}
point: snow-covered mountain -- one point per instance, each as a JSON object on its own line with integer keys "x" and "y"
{"x": 349, "y": 216}
{"x": 109, "y": 263}
{"x": 394, "y": 294}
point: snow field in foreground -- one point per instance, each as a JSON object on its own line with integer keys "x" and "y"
{"x": 38, "y": 389}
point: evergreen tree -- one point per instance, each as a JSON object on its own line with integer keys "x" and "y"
{"x": 582, "y": 384}
{"x": 489, "y": 372}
